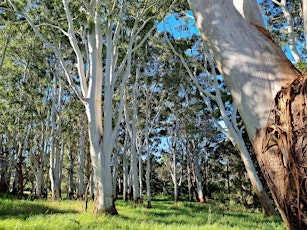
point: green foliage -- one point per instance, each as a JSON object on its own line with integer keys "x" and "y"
{"x": 15, "y": 214}
{"x": 301, "y": 66}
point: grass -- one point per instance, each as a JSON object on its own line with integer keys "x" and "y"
{"x": 164, "y": 215}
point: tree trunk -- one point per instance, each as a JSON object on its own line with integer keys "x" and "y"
{"x": 4, "y": 184}
{"x": 53, "y": 168}
{"x": 198, "y": 179}
{"x": 71, "y": 187}
{"x": 140, "y": 176}
{"x": 147, "y": 175}
{"x": 189, "y": 165}
{"x": 174, "y": 176}
{"x": 147, "y": 148}
{"x": 81, "y": 162}
{"x": 19, "y": 172}
{"x": 261, "y": 81}
{"x": 131, "y": 127}
{"x": 125, "y": 174}
{"x": 115, "y": 173}
{"x": 39, "y": 183}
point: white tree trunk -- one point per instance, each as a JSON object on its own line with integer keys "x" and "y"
{"x": 198, "y": 179}
{"x": 131, "y": 126}
{"x": 39, "y": 182}
{"x": 290, "y": 29}
{"x": 174, "y": 176}
{"x": 102, "y": 136}
{"x": 230, "y": 33}
{"x": 140, "y": 175}
{"x": 54, "y": 167}
{"x": 173, "y": 157}
{"x": 125, "y": 171}
{"x": 115, "y": 173}
{"x": 255, "y": 70}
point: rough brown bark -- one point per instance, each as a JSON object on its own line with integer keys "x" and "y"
{"x": 281, "y": 151}
{"x": 258, "y": 73}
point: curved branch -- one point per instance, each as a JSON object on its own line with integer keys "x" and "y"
{"x": 51, "y": 46}
{"x": 74, "y": 44}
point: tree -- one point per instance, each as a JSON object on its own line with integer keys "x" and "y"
{"x": 269, "y": 93}
{"x": 102, "y": 37}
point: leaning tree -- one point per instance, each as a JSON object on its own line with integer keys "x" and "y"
{"x": 270, "y": 94}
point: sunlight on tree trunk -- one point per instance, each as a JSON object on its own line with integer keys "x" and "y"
{"x": 257, "y": 73}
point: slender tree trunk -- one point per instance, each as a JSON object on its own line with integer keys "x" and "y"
{"x": 269, "y": 93}
{"x": 174, "y": 176}
{"x": 92, "y": 185}
{"x": 19, "y": 172}
{"x": 115, "y": 173}
{"x": 39, "y": 182}
{"x": 148, "y": 170}
{"x": 125, "y": 176}
{"x": 131, "y": 126}
{"x": 53, "y": 168}
{"x": 71, "y": 187}
{"x": 4, "y": 184}
{"x": 81, "y": 162}
{"x": 140, "y": 175}
{"x": 148, "y": 155}
{"x": 39, "y": 162}
{"x": 189, "y": 163}
{"x": 198, "y": 179}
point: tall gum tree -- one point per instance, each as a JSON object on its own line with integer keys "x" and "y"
{"x": 270, "y": 94}
{"x": 103, "y": 36}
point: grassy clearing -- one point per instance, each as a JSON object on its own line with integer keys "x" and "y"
{"x": 66, "y": 214}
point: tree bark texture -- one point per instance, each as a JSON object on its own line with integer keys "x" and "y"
{"x": 269, "y": 93}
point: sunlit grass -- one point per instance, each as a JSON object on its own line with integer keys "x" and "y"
{"x": 67, "y": 214}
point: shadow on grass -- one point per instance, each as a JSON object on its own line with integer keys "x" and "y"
{"x": 10, "y": 206}
{"x": 200, "y": 215}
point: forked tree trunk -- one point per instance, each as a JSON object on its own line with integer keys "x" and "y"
{"x": 131, "y": 127}
{"x": 270, "y": 95}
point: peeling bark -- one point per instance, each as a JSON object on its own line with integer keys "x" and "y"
{"x": 283, "y": 152}
{"x": 258, "y": 74}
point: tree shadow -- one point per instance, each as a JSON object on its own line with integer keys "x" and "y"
{"x": 10, "y": 206}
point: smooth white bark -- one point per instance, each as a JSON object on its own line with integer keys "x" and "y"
{"x": 198, "y": 178}
{"x": 131, "y": 127}
{"x": 290, "y": 29}
{"x": 54, "y": 146}
{"x": 101, "y": 135}
{"x": 246, "y": 57}
{"x": 125, "y": 169}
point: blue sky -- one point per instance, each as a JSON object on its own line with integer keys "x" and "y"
{"x": 180, "y": 29}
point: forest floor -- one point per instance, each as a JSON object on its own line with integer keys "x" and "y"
{"x": 164, "y": 215}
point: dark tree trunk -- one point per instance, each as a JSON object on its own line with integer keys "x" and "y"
{"x": 19, "y": 174}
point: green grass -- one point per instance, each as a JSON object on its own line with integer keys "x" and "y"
{"x": 164, "y": 215}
